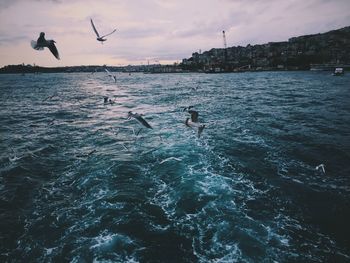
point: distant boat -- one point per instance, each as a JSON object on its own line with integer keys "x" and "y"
{"x": 338, "y": 72}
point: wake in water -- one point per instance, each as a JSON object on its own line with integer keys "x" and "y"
{"x": 81, "y": 182}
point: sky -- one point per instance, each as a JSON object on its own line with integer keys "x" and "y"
{"x": 154, "y": 31}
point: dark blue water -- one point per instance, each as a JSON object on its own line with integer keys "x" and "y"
{"x": 78, "y": 183}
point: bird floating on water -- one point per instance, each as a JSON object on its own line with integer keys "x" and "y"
{"x": 100, "y": 38}
{"x": 42, "y": 42}
{"x": 139, "y": 118}
{"x": 107, "y": 100}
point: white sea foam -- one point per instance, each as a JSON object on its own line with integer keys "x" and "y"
{"x": 110, "y": 241}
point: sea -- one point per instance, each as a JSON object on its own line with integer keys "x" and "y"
{"x": 81, "y": 182}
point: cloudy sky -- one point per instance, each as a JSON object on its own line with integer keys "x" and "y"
{"x": 158, "y": 31}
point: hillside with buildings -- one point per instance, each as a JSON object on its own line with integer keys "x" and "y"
{"x": 298, "y": 53}
{"x": 155, "y": 68}
{"x": 320, "y": 51}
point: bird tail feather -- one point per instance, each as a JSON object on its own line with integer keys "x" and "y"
{"x": 34, "y": 45}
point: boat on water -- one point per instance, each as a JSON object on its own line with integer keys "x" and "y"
{"x": 338, "y": 72}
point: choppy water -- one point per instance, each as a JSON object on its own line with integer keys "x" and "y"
{"x": 77, "y": 184}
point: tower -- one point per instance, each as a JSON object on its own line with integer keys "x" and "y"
{"x": 224, "y": 38}
{"x": 225, "y": 51}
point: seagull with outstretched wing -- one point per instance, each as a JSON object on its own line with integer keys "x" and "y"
{"x": 111, "y": 75}
{"x": 139, "y": 118}
{"x": 100, "y": 38}
{"x": 42, "y": 42}
{"x": 321, "y": 168}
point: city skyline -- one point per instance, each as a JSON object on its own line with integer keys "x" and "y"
{"x": 154, "y": 31}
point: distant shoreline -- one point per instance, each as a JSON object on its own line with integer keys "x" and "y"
{"x": 153, "y": 69}
{"x": 311, "y": 52}
{"x": 182, "y": 72}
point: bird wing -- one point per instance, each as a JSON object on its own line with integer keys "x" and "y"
{"x": 200, "y": 130}
{"x": 35, "y": 46}
{"x": 142, "y": 121}
{"x": 109, "y": 73}
{"x": 94, "y": 28}
{"x": 109, "y": 33}
{"x": 53, "y": 49}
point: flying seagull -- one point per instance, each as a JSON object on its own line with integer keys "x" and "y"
{"x": 111, "y": 75}
{"x": 139, "y": 118}
{"x": 194, "y": 114}
{"x": 42, "y": 42}
{"x": 193, "y": 121}
{"x": 100, "y": 38}
{"x": 321, "y": 168}
{"x": 195, "y": 125}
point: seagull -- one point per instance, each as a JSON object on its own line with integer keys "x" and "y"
{"x": 193, "y": 122}
{"x": 321, "y": 168}
{"x": 107, "y": 100}
{"x": 194, "y": 114}
{"x": 195, "y": 125}
{"x": 139, "y": 118}
{"x": 42, "y": 42}
{"x": 111, "y": 75}
{"x": 101, "y": 39}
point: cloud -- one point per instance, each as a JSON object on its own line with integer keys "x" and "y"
{"x": 12, "y": 40}
{"x": 159, "y": 29}
{"x": 6, "y": 3}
